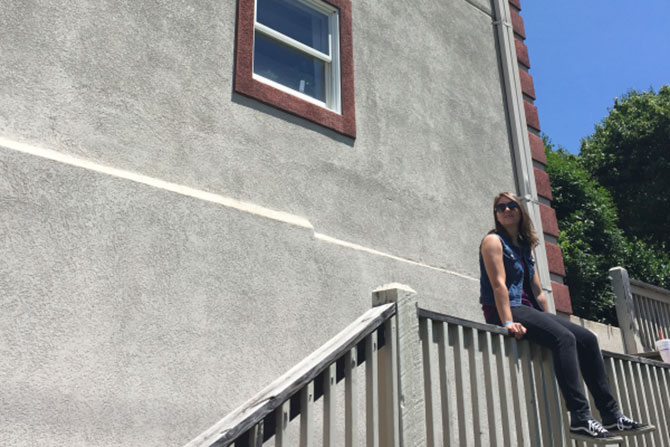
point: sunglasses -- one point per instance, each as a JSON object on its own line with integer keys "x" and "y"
{"x": 501, "y": 207}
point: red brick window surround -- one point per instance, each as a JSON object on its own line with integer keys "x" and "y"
{"x": 327, "y": 97}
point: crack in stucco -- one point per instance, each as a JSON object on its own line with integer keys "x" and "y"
{"x": 228, "y": 202}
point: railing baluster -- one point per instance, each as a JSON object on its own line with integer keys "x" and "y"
{"x": 389, "y": 431}
{"x": 516, "y": 367}
{"x": 657, "y": 305}
{"x": 351, "y": 398}
{"x": 649, "y": 322}
{"x": 658, "y": 325}
{"x": 460, "y": 385}
{"x": 281, "y": 424}
{"x": 665, "y": 317}
{"x": 540, "y": 394}
{"x": 664, "y": 400}
{"x": 307, "y": 415}
{"x": 426, "y": 334}
{"x": 594, "y": 410}
{"x": 613, "y": 379}
{"x": 553, "y": 398}
{"x": 639, "y": 317}
{"x": 625, "y": 397}
{"x": 529, "y": 390}
{"x": 475, "y": 368}
{"x": 642, "y": 397}
{"x": 664, "y": 395}
{"x": 371, "y": 391}
{"x": 504, "y": 386}
{"x": 651, "y": 393}
{"x": 329, "y": 405}
{"x": 566, "y": 421}
{"x": 490, "y": 391}
{"x": 445, "y": 365}
{"x": 632, "y": 394}
{"x": 256, "y": 435}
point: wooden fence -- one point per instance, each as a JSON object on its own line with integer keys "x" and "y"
{"x": 404, "y": 376}
{"x": 642, "y": 310}
{"x": 484, "y": 388}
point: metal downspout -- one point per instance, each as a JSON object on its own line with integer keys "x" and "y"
{"x": 523, "y": 161}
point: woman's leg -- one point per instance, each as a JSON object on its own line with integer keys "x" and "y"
{"x": 592, "y": 367}
{"x": 543, "y": 328}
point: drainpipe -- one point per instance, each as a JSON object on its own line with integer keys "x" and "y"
{"x": 523, "y": 162}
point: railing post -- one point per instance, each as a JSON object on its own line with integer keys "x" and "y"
{"x": 625, "y": 310}
{"x": 407, "y": 353}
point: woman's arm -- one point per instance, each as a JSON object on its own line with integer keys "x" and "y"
{"x": 538, "y": 292}
{"x": 492, "y": 254}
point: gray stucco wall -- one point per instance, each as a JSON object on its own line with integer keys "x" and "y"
{"x": 133, "y": 315}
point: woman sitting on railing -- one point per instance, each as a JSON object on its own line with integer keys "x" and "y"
{"x": 511, "y": 296}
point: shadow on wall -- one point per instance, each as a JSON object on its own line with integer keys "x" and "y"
{"x": 269, "y": 110}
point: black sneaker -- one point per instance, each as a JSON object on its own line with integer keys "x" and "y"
{"x": 592, "y": 431}
{"x": 626, "y": 426}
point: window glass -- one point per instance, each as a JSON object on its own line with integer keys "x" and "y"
{"x": 295, "y": 20}
{"x": 289, "y": 67}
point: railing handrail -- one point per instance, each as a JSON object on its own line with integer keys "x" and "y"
{"x": 636, "y": 359}
{"x": 425, "y": 313}
{"x": 657, "y": 293}
{"x": 646, "y": 285}
{"x": 271, "y": 397}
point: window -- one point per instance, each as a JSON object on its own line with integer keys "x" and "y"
{"x": 297, "y": 55}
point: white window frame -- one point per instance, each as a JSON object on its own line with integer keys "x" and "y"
{"x": 331, "y": 63}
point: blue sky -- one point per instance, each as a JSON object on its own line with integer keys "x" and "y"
{"x": 585, "y": 53}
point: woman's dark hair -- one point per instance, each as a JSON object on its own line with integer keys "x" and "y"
{"x": 527, "y": 233}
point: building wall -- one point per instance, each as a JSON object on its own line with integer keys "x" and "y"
{"x": 170, "y": 246}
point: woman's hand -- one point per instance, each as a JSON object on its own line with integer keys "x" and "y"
{"x": 516, "y": 329}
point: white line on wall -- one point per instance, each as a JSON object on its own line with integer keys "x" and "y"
{"x": 228, "y": 202}
{"x": 372, "y": 251}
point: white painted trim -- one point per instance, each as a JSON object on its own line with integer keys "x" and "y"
{"x": 158, "y": 183}
{"x": 263, "y": 29}
{"x": 289, "y": 90}
{"x": 228, "y": 202}
{"x": 357, "y": 247}
{"x": 332, "y": 75}
{"x": 334, "y": 87}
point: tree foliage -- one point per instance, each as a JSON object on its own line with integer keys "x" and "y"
{"x": 592, "y": 240}
{"x": 629, "y": 154}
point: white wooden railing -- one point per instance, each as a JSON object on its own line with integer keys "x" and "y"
{"x": 642, "y": 310}
{"x": 484, "y": 388}
{"x": 404, "y": 376}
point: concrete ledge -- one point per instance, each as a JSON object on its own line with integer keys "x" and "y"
{"x": 608, "y": 336}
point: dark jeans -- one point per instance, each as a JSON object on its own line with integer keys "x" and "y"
{"x": 575, "y": 348}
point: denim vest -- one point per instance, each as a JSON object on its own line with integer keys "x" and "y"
{"x": 512, "y": 259}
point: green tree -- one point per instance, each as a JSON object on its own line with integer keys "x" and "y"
{"x": 629, "y": 154}
{"x": 592, "y": 240}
